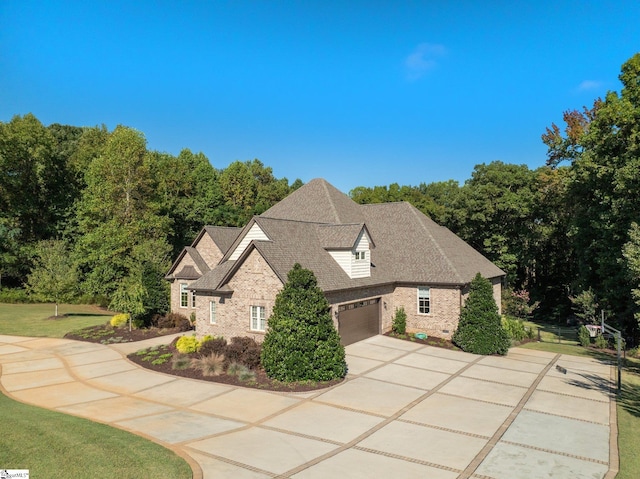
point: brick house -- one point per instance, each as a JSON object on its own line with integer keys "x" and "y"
{"x": 369, "y": 260}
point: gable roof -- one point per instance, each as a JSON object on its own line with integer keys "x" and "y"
{"x": 409, "y": 246}
{"x": 222, "y": 236}
{"x": 188, "y": 271}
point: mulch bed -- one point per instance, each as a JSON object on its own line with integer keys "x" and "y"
{"x": 429, "y": 341}
{"x": 107, "y": 334}
{"x": 261, "y": 380}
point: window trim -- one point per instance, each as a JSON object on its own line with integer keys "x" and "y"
{"x": 426, "y": 298}
{"x": 212, "y": 312}
{"x": 260, "y": 316}
{"x": 193, "y": 298}
{"x": 184, "y": 296}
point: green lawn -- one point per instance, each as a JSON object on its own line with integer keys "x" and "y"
{"x": 628, "y": 404}
{"x": 54, "y": 445}
{"x": 33, "y": 319}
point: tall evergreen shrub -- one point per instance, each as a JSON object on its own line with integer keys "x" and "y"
{"x": 480, "y": 329}
{"x": 301, "y": 342}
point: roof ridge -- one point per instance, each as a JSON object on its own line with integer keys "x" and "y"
{"x": 416, "y": 212}
{"x": 333, "y": 206}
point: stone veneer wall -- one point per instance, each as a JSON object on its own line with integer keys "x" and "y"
{"x": 254, "y": 284}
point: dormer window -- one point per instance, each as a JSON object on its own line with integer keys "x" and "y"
{"x": 361, "y": 255}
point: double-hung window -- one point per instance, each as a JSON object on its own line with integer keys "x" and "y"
{"x": 212, "y": 312}
{"x": 184, "y": 295}
{"x": 424, "y": 300}
{"x": 193, "y": 299}
{"x": 258, "y": 322}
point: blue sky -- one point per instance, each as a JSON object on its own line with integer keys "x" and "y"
{"x": 359, "y": 93}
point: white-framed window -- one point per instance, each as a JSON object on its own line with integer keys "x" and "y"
{"x": 193, "y": 299}
{"x": 212, "y": 312}
{"x": 424, "y": 300}
{"x": 184, "y": 295}
{"x": 258, "y": 321}
{"x": 361, "y": 255}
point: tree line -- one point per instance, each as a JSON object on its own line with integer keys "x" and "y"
{"x": 566, "y": 233}
{"x": 92, "y": 213}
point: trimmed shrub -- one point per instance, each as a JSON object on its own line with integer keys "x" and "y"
{"x": 119, "y": 320}
{"x": 187, "y": 344}
{"x": 302, "y": 343}
{"x": 399, "y": 321}
{"x": 583, "y": 337}
{"x": 215, "y": 346}
{"x": 480, "y": 329}
{"x": 243, "y": 350}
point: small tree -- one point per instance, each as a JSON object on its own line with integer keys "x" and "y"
{"x": 129, "y": 298}
{"x": 302, "y": 342}
{"x": 585, "y": 306}
{"x": 400, "y": 321}
{"x": 480, "y": 329}
{"x": 54, "y": 276}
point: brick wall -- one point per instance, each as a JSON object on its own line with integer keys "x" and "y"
{"x": 175, "y": 287}
{"x": 254, "y": 284}
{"x": 209, "y": 251}
{"x": 442, "y": 319}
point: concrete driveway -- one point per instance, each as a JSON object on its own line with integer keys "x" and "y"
{"x": 404, "y": 411}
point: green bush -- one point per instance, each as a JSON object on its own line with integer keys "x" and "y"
{"x": 14, "y": 295}
{"x": 480, "y": 329}
{"x": 583, "y": 337}
{"x": 302, "y": 343}
{"x": 600, "y": 342}
{"x": 516, "y": 329}
{"x": 399, "y": 321}
{"x": 187, "y": 344}
{"x": 119, "y": 320}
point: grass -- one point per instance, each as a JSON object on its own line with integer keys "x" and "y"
{"x": 627, "y": 407}
{"x": 55, "y": 445}
{"x": 32, "y": 319}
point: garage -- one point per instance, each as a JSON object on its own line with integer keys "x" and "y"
{"x": 359, "y": 320}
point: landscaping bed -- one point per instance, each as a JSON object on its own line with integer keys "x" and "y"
{"x": 168, "y": 360}
{"x": 107, "y": 334}
{"x": 429, "y": 340}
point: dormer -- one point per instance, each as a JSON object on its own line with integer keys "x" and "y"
{"x": 350, "y": 246}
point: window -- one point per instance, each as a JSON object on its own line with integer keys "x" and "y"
{"x": 424, "y": 300}
{"x": 212, "y": 312}
{"x": 361, "y": 255}
{"x": 193, "y": 299}
{"x": 184, "y": 295}
{"x": 257, "y": 318}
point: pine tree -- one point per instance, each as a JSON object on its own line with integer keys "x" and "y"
{"x": 480, "y": 330}
{"x": 302, "y": 342}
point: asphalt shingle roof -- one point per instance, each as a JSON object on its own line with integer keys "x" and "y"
{"x": 409, "y": 246}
